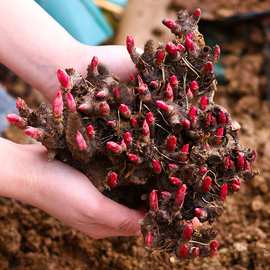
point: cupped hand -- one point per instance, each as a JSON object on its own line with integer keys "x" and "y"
{"x": 68, "y": 195}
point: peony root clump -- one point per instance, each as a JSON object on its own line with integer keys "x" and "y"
{"x": 157, "y": 142}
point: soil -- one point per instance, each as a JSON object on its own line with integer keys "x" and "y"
{"x": 30, "y": 239}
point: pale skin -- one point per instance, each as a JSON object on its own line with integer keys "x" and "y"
{"x": 34, "y": 46}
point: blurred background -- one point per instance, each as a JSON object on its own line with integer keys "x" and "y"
{"x": 30, "y": 239}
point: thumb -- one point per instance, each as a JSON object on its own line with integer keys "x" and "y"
{"x": 123, "y": 221}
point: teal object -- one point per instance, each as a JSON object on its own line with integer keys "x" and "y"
{"x": 119, "y": 2}
{"x": 81, "y": 18}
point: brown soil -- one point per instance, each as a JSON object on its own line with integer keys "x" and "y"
{"x": 30, "y": 239}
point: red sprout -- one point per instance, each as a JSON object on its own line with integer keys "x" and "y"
{"x": 187, "y": 231}
{"x": 112, "y": 179}
{"x": 130, "y": 44}
{"x": 204, "y": 102}
{"x": 63, "y": 78}
{"x": 34, "y": 133}
{"x": 124, "y": 111}
{"x": 114, "y": 147}
{"x": 183, "y": 250}
{"x": 153, "y": 200}
{"x": 156, "y": 165}
{"x": 82, "y": 145}
{"x": 180, "y": 195}
{"x": 171, "y": 142}
{"x": 223, "y": 191}
{"x": 127, "y": 136}
{"x": 175, "y": 181}
{"x": 150, "y": 119}
{"x": 71, "y": 104}
{"x": 149, "y": 238}
{"x": 207, "y": 182}
{"x": 16, "y": 120}
{"x": 90, "y": 131}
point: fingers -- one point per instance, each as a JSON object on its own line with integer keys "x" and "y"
{"x": 122, "y": 220}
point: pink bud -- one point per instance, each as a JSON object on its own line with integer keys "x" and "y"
{"x": 189, "y": 93}
{"x": 104, "y": 108}
{"x": 149, "y": 238}
{"x": 71, "y": 102}
{"x": 133, "y": 122}
{"x": 240, "y": 161}
{"x": 154, "y": 84}
{"x": 101, "y": 94}
{"x": 145, "y": 129}
{"x": 194, "y": 86}
{"x": 153, "y": 200}
{"x": 117, "y": 92}
{"x": 210, "y": 120}
{"x": 114, "y": 147}
{"x": 171, "y": 24}
{"x": 150, "y": 119}
{"x": 216, "y": 53}
{"x": 208, "y": 67}
{"x": 171, "y": 142}
{"x": 90, "y": 131}
{"x": 185, "y": 149}
{"x": 171, "y": 48}
{"x": 185, "y": 123}
{"x": 169, "y": 92}
{"x": 228, "y": 163}
{"x": 220, "y": 133}
{"x": 16, "y": 120}
{"x": 81, "y": 141}
{"x": 127, "y": 138}
{"x": 183, "y": 250}
{"x": 162, "y": 105}
{"x": 160, "y": 56}
{"x": 34, "y": 133}
{"x": 112, "y": 179}
{"x": 58, "y": 105}
{"x": 124, "y": 111}
{"x": 206, "y": 184}
{"x": 189, "y": 44}
{"x": 180, "y": 195}
{"x": 20, "y": 104}
{"x": 83, "y": 107}
{"x": 197, "y": 13}
{"x": 63, "y": 78}
{"x": 165, "y": 195}
{"x": 181, "y": 48}
{"x": 199, "y": 212}
{"x": 236, "y": 183}
{"x": 193, "y": 113}
{"x": 203, "y": 170}
{"x": 130, "y": 44}
{"x": 142, "y": 88}
{"x": 223, "y": 191}
{"x": 187, "y": 231}
{"x": 156, "y": 165}
{"x": 222, "y": 118}
{"x": 172, "y": 166}
{"x": 133, "y": 158}
{"x": 214, "y": 245}
{"x": 173, "y": 81}
{"x": 131, "y": 77}
{"x": 204, "y": 102}
{"x": 111, "y": 123}
{"x": 94, "y": 64}
{"x": 175, "y": 181}
{"x": 195, "y": 252}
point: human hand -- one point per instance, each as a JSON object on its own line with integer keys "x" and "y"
{"x": 65, "y": 193}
